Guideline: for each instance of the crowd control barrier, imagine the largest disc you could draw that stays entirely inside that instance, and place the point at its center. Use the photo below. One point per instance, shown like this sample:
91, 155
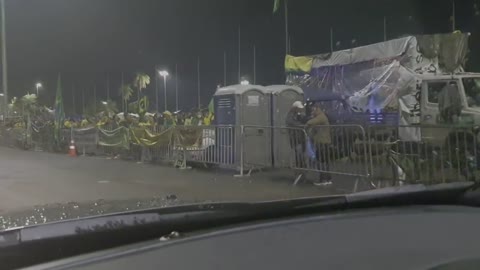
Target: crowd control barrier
378, 155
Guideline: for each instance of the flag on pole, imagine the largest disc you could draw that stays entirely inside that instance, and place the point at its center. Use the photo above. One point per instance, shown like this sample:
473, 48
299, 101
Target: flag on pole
59, 112
276, 5
210, 107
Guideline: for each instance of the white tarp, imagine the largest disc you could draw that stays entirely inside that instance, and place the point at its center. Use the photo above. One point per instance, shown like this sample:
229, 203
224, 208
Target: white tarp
374, 77
384, 50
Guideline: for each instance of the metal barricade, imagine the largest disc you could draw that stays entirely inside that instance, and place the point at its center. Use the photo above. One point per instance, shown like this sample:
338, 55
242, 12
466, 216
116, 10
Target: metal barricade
422, 154
161, 152
256, 147
86, 140
289, 145
336, 150
325, 150
207, 145
13, 137
40, 141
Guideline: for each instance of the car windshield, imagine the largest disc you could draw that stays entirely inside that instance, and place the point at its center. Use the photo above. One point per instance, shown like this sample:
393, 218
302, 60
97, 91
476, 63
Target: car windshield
117, 105
472, 91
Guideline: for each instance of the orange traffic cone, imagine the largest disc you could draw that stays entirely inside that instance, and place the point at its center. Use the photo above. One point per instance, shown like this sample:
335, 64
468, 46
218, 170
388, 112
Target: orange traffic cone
72, 150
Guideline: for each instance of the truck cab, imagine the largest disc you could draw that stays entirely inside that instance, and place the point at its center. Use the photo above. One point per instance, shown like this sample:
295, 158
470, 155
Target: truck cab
434, 126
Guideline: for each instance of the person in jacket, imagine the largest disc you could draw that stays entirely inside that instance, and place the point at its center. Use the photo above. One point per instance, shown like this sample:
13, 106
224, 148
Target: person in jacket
319, 131
294, 122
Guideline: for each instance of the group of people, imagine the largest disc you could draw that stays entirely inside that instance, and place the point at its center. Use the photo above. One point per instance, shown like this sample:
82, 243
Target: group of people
310, 139
165, 119
195, 118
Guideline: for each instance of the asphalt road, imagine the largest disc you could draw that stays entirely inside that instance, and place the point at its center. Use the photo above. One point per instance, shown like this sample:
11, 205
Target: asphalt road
30, 178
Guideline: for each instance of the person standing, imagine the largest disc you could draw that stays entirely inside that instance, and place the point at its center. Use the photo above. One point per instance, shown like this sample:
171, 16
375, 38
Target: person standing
294, 122
319, 131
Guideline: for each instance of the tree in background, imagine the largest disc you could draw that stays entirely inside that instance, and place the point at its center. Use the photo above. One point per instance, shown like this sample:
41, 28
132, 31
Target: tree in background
140, 107
108, 108
27, 105
126, 92
91, 110
140, 82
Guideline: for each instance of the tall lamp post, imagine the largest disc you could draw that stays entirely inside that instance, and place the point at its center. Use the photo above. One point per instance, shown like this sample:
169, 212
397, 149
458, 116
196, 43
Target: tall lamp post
38, 86
164, 74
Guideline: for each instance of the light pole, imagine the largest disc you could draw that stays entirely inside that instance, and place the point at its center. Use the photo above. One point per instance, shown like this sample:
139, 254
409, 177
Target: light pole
176, 87
164, 74
156, 89
38, 86
2, 97
4, 56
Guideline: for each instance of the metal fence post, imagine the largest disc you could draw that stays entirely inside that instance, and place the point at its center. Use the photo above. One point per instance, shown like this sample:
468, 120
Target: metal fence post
242, 141
97, 139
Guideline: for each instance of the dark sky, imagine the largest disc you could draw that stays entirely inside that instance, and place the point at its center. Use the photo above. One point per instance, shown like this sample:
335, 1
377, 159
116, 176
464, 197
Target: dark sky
87, 39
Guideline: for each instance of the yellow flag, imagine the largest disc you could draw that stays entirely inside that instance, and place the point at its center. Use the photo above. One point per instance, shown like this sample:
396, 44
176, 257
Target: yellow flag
298, 64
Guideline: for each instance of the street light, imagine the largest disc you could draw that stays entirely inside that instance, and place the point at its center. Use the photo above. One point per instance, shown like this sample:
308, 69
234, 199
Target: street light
164, 74
38, 85
104, 103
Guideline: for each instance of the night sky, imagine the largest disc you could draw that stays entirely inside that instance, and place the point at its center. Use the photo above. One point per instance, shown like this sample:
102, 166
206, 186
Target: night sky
90, 40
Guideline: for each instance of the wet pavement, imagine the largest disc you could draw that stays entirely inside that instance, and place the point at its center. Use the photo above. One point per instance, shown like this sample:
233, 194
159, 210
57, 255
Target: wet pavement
35, 179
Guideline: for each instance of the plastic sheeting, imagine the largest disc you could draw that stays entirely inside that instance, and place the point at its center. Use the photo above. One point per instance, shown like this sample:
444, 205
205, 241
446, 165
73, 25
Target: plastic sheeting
189, 136
115, 138
384, 50
85, 136
374, 77
144, 137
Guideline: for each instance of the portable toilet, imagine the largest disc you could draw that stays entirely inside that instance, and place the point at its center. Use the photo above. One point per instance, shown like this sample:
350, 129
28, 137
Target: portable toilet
282, 97
247, 105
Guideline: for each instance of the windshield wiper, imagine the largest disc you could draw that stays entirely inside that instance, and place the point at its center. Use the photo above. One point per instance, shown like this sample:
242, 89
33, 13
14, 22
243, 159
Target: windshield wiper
73, 237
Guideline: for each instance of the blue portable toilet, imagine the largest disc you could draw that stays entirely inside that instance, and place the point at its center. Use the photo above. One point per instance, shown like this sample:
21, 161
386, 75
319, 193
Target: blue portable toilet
247, 105
282, 97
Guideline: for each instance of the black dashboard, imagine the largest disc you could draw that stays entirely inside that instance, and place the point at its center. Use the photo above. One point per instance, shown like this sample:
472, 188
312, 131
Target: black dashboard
416, 237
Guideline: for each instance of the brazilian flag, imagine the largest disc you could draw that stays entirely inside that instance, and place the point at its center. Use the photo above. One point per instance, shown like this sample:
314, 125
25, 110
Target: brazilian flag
59, 112
143, 105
